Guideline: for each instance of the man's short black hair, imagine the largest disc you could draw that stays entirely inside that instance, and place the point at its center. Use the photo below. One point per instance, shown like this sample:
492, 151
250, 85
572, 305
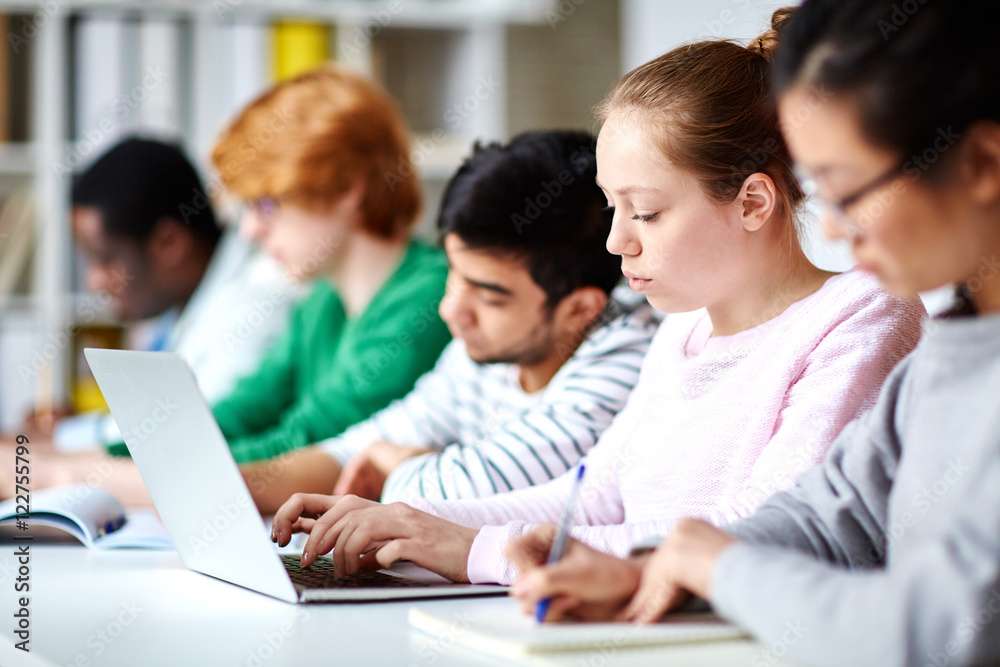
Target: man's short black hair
141, 181
536, 198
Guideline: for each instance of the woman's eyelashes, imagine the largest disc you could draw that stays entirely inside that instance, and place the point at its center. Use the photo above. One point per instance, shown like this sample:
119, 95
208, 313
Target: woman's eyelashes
644, 218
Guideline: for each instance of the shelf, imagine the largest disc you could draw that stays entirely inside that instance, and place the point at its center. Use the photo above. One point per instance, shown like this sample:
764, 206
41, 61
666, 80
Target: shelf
20, 305
401, 13
83, 307
17, 159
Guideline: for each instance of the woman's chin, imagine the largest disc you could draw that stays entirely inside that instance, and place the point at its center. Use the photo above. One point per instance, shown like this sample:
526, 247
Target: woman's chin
665, 304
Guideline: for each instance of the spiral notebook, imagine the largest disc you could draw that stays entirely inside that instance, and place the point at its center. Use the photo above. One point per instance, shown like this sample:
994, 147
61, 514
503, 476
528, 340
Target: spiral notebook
498, 627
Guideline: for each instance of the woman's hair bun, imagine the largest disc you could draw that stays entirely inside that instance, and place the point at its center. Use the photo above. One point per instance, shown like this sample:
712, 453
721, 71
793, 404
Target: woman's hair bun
768, 42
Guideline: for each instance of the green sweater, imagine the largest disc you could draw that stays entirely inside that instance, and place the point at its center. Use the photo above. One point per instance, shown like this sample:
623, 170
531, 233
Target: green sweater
330, 371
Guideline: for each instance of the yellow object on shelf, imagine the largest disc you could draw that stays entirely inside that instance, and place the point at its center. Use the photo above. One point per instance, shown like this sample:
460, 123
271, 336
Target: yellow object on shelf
84, 392
299, 46
87, 396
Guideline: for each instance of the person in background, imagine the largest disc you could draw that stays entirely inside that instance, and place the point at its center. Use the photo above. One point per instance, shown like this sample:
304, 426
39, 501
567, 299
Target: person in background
761, 361
154, 248
542, 359
888, 553
322, 163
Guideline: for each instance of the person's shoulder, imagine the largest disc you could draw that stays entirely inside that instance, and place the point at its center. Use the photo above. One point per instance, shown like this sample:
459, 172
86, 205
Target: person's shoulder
420, 277
853, 287
623, 327
424, 258
319, 294
321, 303
853, 310
859, 294
406, 307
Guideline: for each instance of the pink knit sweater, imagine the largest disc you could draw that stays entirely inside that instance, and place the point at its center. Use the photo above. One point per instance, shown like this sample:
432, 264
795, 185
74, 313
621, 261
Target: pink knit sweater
715, 425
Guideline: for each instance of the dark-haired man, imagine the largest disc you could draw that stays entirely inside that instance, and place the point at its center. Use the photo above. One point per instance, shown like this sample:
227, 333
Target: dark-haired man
542, 359
154, 249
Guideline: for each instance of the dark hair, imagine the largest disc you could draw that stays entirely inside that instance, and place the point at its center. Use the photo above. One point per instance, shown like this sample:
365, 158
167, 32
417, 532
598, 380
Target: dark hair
914, 68
141, 181
709, 108
536, 198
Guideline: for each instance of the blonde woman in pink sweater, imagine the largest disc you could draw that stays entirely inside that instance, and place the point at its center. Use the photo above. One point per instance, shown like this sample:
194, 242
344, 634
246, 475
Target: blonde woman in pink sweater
764, 359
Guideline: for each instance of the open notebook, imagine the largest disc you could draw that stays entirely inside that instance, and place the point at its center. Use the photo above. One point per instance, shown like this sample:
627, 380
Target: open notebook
497, 627
89, 514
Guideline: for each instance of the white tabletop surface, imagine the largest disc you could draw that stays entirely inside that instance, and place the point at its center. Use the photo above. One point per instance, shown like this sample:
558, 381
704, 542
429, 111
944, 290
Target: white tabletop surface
143, 608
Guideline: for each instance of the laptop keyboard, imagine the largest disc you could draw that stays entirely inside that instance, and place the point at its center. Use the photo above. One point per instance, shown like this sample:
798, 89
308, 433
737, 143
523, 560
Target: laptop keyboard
321, 575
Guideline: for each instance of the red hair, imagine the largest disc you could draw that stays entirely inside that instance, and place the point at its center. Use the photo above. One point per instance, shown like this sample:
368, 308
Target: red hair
310, 138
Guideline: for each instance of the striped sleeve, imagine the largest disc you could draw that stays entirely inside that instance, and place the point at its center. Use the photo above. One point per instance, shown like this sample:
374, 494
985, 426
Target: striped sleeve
538, 445
423, 418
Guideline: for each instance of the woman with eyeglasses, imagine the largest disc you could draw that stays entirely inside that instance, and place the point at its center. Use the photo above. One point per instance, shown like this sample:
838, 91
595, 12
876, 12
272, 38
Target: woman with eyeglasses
889, 552
323, 164
762, 361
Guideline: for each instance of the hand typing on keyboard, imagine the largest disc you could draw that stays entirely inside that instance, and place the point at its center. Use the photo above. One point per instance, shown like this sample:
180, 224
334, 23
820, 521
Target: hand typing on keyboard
366, 535
321, 574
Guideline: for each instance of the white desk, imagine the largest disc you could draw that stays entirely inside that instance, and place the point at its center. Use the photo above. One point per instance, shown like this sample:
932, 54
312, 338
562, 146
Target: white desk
144, 609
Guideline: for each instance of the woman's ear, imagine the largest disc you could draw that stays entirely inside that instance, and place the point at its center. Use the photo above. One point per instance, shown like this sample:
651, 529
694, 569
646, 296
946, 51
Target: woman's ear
980, 155
348, 205
757, 201
355, 194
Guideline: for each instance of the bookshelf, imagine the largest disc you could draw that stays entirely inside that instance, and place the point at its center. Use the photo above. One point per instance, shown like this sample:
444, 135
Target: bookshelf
16, 159
461, 69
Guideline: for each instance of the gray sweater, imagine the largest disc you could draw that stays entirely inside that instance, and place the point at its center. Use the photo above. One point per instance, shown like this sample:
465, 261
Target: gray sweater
888, 553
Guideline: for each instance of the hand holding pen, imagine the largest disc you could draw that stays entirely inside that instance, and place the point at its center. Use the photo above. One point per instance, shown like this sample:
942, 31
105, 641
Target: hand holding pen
559, 544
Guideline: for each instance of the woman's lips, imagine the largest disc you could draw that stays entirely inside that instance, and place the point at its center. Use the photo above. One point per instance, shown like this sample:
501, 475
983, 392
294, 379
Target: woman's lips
635, 282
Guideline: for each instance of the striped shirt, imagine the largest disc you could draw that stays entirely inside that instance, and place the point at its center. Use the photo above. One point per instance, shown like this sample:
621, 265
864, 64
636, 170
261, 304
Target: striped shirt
489, 435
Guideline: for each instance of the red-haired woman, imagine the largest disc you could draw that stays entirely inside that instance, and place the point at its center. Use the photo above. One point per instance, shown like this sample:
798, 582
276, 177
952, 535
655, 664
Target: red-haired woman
323, 163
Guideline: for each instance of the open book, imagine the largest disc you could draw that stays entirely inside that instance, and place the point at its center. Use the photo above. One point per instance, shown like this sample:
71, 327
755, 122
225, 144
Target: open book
91, 515
499, 628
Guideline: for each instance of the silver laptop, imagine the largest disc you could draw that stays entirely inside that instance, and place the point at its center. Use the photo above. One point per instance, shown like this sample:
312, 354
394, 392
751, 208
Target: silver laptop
203, 501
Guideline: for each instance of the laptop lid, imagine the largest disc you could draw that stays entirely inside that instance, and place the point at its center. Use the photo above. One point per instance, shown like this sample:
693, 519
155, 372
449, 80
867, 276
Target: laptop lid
188, 469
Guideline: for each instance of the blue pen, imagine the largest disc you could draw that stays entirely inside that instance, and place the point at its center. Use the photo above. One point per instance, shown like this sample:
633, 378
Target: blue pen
559, 544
